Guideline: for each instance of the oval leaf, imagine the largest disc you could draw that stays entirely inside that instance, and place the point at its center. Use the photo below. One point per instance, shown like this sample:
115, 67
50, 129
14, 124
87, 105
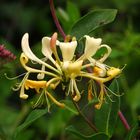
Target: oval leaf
97, 136
91, 21
33, 116
70, 106
106, 117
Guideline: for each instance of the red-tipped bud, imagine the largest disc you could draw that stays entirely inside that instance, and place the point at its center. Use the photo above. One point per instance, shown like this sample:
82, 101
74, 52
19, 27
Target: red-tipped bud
53, 41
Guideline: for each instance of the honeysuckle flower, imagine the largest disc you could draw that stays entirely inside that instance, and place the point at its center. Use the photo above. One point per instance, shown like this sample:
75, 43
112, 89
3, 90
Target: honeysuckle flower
91, 46
66, 68
68, 50
46, 49
27, 51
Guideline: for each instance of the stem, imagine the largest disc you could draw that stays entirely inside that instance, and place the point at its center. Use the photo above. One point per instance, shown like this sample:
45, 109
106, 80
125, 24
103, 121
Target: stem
85, 118
56, 20
124, 121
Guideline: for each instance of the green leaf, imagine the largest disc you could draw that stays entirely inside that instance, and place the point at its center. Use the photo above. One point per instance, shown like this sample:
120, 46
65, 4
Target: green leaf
73, 11
133, 96
133, 132
28, 133
57, 122
97, 136
70, 106
106, 117
69, 16
91, 21
33, 116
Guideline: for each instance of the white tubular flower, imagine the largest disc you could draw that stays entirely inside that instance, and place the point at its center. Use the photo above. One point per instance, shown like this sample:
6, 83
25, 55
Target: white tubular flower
26, 48
91, 46
68, 49
46, 49
27, 51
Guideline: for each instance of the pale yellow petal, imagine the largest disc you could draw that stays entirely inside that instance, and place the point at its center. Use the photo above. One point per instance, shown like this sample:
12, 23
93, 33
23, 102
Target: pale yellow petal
46, 50
27, 51
68, 50
91, 46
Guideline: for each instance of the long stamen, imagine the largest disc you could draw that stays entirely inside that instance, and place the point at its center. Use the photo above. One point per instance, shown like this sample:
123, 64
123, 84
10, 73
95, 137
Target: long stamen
101, 97
55, 101
13, 78
18, 86
113, 92
38, 101
24, 60
106, 54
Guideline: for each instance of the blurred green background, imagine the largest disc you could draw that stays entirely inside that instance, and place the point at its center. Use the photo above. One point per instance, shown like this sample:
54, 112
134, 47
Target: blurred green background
34, 17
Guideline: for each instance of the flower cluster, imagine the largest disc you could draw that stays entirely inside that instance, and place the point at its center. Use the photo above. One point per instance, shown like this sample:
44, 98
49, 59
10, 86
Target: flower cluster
65, 67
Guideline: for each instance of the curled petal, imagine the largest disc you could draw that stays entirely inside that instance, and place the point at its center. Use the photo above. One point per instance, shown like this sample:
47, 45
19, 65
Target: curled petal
46, 50
68, 49
41, 75
26, 49
106, 54
23, 59
22, 94
91, 46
